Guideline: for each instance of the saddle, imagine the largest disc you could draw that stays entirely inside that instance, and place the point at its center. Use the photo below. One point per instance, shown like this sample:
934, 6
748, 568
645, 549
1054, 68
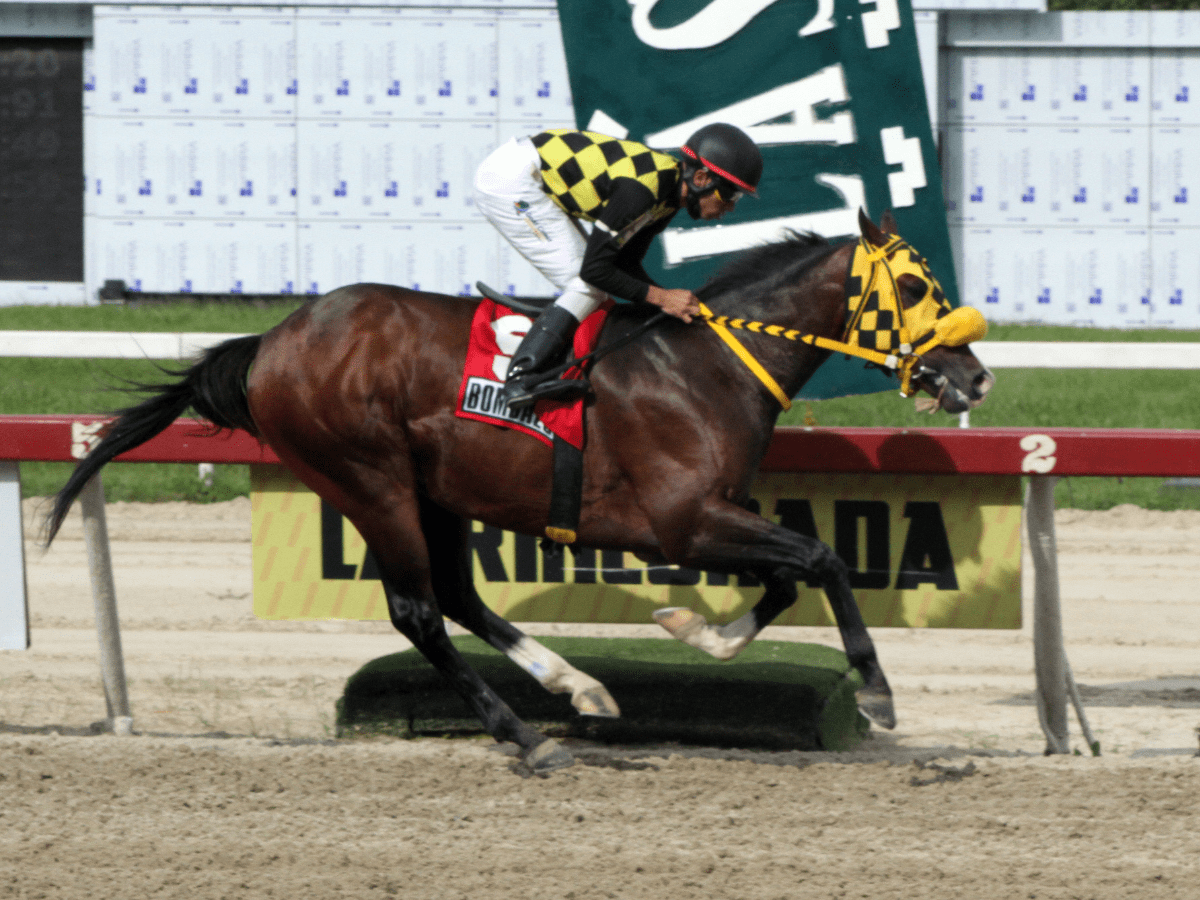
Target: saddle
558, 422
550, 383
531, 306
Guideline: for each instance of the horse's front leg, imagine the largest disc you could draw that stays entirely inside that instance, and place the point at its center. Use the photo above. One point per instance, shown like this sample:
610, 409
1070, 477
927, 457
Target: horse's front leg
730, 539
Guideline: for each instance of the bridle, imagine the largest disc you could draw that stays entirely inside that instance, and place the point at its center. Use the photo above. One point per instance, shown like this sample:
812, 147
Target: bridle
875, 314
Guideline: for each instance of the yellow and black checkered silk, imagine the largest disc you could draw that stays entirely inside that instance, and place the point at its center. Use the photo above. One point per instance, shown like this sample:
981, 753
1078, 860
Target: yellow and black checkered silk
578, 168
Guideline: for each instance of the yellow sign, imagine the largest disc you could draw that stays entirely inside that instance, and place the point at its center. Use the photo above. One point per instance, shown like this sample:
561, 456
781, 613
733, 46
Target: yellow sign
924, 551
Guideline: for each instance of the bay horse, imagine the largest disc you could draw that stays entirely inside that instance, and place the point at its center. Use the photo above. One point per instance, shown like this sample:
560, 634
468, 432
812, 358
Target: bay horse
356, 390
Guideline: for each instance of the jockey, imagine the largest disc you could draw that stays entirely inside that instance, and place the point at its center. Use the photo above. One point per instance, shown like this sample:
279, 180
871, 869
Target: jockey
539, 190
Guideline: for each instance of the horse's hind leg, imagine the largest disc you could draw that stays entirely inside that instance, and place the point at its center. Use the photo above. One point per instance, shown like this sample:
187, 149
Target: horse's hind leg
726, 641
420, 622
453, 583
389, 521
729, 538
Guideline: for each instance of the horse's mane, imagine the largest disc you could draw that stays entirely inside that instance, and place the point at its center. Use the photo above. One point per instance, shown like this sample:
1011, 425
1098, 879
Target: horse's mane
770, 264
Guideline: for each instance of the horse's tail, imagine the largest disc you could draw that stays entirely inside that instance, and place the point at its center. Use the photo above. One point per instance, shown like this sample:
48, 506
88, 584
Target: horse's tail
215, 387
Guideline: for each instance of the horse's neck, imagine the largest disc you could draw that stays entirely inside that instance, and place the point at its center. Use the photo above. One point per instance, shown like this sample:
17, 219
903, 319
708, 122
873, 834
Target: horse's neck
810, 306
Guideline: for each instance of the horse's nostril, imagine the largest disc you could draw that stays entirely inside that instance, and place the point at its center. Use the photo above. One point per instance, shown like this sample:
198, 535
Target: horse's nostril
983, 383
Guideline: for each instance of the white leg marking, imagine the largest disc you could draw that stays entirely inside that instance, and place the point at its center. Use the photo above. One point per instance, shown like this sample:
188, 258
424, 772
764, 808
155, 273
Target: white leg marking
558, 676
723, 641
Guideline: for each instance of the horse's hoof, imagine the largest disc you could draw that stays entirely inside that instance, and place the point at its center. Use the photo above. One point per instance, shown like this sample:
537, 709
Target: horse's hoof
548, 756
596, 701
876, 704
681, 622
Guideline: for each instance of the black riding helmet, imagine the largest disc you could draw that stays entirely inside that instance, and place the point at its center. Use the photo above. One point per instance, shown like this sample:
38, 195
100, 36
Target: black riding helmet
729, 154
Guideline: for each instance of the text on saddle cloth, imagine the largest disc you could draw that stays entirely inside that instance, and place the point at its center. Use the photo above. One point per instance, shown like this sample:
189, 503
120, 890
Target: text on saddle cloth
496, 332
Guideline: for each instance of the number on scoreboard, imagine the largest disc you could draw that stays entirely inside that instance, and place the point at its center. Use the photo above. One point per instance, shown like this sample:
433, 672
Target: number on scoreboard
41, 159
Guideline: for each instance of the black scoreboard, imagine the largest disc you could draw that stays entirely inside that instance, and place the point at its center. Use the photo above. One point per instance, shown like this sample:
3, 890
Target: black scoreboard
41, 159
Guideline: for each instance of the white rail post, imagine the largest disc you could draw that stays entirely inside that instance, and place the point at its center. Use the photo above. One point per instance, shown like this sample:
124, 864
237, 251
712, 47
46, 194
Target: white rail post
14, 603
108, 626
1049, 655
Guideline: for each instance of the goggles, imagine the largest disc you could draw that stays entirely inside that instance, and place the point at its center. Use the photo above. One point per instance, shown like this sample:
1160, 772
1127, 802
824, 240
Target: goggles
728, 192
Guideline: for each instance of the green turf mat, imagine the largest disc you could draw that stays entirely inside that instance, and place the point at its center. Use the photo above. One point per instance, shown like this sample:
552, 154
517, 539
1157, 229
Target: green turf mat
775, 695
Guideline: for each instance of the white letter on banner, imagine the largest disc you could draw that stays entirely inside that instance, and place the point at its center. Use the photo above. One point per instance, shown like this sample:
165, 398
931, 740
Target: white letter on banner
717, 22
682, 245
878, 22
822, 21
603, 123
906, 152
795, 100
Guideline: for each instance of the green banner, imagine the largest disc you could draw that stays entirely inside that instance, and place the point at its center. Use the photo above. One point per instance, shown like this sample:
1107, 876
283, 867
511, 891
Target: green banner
831, 90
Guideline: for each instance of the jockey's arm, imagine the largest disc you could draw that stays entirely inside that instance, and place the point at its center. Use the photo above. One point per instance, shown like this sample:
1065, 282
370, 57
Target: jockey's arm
617, 246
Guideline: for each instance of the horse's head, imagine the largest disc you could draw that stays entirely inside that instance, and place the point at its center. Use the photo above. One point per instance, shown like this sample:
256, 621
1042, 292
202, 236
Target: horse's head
897, 306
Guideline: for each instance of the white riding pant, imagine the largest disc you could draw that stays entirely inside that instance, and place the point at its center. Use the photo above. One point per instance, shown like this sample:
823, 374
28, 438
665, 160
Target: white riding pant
508, 191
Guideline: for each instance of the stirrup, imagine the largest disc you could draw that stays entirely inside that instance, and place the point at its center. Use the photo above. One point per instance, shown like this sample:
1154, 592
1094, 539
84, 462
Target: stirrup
526, 390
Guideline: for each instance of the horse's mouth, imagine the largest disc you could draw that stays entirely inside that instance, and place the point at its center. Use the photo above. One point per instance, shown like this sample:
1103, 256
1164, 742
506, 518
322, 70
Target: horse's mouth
950, 398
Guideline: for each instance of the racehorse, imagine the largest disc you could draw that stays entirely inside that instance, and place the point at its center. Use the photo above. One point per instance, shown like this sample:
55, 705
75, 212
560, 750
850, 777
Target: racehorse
356, 390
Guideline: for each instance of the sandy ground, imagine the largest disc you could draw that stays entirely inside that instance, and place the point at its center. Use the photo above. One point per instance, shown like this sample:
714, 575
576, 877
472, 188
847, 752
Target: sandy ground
233, 786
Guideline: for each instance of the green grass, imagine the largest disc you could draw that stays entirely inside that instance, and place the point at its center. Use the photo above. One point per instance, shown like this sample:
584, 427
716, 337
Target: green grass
39, 386
1035, 398
71, 386
1023, 398
233, 317
1069, 333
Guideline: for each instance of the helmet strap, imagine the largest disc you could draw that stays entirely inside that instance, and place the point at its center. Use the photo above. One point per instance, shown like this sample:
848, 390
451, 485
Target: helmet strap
696, 194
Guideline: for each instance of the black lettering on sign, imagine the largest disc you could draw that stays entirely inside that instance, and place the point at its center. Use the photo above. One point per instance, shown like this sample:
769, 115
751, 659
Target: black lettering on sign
333, 560
370, 568
846, 514
552, 566
926, 558
333, 563
613, 563
926, 542
585, 560
486, 546
526, 568
681, 576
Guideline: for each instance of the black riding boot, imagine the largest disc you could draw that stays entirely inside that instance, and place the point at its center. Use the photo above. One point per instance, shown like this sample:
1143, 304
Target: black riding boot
541, 347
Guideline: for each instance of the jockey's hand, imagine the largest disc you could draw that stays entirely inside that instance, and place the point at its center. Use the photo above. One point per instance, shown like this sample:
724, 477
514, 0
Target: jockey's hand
678, 302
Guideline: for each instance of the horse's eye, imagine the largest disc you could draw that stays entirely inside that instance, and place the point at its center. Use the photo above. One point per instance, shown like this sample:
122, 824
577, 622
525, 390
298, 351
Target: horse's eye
912, 289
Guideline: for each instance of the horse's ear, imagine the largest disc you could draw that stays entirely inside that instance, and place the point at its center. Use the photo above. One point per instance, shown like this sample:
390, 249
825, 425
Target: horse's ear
870, 232
888, 224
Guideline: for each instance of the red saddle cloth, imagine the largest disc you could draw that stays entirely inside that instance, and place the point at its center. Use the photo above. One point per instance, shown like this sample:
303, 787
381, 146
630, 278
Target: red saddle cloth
495, 333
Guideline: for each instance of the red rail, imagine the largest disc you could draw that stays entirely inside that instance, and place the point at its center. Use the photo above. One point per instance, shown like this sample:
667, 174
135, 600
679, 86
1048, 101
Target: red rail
987, 451
932, 451
67, 438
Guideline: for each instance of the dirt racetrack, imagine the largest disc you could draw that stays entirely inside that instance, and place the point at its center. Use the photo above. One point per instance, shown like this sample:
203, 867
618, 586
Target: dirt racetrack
233, 786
